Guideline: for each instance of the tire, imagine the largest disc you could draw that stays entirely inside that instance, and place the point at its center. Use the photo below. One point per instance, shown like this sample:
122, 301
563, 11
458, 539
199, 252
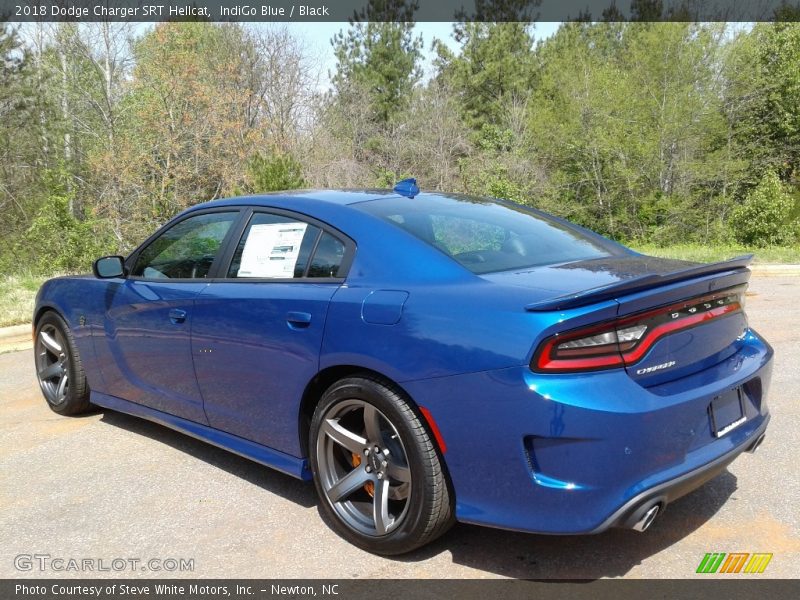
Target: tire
376, 470
58, 367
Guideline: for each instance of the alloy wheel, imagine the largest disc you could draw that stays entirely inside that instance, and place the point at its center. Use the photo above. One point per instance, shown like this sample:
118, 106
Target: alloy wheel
363, 467
52, 364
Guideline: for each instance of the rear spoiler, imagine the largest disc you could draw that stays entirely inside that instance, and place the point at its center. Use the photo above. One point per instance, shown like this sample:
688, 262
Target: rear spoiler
637, 284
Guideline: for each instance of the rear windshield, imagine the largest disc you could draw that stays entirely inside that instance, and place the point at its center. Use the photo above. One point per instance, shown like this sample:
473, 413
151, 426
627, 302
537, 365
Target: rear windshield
488, 235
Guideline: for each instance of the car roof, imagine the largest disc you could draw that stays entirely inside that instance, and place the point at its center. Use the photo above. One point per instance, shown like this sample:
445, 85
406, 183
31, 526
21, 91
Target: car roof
335, 208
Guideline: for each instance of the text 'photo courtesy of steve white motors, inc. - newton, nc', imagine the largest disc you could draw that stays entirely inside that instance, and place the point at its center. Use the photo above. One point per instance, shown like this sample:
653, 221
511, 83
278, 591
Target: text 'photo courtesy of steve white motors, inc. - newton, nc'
156, 11
160, 590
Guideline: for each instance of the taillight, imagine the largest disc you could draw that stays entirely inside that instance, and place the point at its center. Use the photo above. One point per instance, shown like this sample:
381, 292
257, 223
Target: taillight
626, 340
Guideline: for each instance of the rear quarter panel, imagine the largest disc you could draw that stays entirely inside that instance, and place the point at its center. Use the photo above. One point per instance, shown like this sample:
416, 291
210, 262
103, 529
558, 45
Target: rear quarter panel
452, 321
444, 329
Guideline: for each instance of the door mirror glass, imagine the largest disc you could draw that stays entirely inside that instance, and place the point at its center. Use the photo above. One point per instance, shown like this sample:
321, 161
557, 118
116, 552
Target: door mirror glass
109, 267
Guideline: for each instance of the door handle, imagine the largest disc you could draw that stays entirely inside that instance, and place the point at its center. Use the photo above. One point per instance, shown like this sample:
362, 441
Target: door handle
298, 320
176, 315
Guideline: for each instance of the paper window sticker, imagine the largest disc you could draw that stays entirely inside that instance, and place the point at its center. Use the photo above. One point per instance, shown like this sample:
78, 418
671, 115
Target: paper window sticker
271, 250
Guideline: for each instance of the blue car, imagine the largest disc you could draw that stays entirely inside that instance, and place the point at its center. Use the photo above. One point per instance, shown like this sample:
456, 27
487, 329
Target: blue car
424, 358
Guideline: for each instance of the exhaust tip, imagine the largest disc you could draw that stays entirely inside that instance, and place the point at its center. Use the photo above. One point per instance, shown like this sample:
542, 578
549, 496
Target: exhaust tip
757, 443
647, 518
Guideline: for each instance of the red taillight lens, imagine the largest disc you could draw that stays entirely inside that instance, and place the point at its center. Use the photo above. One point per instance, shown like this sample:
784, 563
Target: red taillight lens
625, 341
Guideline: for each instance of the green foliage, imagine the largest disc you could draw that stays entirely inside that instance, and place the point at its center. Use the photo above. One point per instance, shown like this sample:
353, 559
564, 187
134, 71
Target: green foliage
780, 57
59, 242
386, 178
766, 217
494, 181
380, 53
496, 63
13, 62
273, 173
19, 179
629, 119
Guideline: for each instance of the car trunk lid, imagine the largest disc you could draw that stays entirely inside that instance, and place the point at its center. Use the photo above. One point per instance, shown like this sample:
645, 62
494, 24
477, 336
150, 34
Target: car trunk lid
688, 316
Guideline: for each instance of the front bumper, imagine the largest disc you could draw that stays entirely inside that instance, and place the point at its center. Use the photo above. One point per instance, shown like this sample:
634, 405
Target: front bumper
579, 453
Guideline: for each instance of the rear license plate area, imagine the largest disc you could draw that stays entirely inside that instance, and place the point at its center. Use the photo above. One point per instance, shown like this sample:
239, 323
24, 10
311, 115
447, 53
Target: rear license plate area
726, 412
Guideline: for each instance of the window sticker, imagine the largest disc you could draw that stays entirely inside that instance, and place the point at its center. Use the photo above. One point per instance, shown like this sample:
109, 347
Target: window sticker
271, 250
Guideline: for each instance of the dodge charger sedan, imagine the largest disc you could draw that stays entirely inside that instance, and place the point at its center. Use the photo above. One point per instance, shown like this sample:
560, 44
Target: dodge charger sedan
424, 358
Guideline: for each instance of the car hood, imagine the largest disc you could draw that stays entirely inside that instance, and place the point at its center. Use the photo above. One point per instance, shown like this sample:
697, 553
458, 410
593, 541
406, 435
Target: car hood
568, 278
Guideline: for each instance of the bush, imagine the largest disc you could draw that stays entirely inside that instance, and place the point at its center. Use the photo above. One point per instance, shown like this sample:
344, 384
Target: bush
765, 218
274, 173
59, 242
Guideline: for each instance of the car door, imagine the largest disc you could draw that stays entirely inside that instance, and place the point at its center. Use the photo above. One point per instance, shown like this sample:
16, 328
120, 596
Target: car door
256, 335
148, 315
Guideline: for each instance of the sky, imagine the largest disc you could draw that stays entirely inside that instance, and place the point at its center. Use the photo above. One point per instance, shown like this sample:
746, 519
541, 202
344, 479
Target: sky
318, 36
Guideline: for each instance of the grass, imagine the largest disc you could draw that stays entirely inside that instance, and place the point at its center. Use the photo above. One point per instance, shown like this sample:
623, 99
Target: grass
697, 253
17, 294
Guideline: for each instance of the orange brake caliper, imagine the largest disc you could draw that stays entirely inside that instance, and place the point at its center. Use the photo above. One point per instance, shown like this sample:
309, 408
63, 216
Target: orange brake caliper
369, 487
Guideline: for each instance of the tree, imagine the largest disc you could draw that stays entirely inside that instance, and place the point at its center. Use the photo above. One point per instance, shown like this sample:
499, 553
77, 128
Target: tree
628, 120
771, 53
380, 54
496, 64
59, 242
19, 186
274, 173
766, 216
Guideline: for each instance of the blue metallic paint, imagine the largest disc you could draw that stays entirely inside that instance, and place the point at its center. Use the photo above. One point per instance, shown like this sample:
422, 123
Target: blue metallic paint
147, 350
584, 443
244, 350
553, 453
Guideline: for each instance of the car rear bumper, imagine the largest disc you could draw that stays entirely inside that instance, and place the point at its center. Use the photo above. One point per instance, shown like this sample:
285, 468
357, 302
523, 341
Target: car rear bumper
634, 510
578, 454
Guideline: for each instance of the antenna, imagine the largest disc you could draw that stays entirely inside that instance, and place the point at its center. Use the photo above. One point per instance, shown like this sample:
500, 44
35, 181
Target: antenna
407, 187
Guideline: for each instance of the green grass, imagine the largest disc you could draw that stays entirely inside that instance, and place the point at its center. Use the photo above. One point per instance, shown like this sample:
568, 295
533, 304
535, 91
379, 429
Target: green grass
17, 294
698, 253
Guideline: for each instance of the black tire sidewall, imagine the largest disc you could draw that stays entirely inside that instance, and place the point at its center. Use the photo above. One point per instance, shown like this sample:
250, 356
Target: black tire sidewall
406, 537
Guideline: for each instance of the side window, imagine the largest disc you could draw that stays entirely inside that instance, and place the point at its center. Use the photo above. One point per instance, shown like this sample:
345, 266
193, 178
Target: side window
186, 250
327, 257
274, 247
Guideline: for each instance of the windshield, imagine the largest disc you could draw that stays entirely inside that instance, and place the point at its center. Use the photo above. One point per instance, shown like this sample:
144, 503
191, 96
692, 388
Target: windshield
489, 235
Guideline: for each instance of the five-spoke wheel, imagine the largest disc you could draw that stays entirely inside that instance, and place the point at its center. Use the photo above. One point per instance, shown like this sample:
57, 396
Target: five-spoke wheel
52, 364
376, 469
363, 467
58, 367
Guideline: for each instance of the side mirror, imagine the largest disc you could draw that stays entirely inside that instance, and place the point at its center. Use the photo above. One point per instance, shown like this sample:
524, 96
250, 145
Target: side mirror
109, 267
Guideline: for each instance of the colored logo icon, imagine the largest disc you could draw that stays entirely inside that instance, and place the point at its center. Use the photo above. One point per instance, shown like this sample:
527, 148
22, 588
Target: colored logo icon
734, 562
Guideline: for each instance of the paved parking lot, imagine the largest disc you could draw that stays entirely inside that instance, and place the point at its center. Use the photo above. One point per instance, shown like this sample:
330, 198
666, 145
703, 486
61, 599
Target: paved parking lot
107, 486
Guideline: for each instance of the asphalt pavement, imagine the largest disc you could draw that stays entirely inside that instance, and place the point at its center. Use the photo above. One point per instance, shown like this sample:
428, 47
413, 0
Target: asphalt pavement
106, 487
